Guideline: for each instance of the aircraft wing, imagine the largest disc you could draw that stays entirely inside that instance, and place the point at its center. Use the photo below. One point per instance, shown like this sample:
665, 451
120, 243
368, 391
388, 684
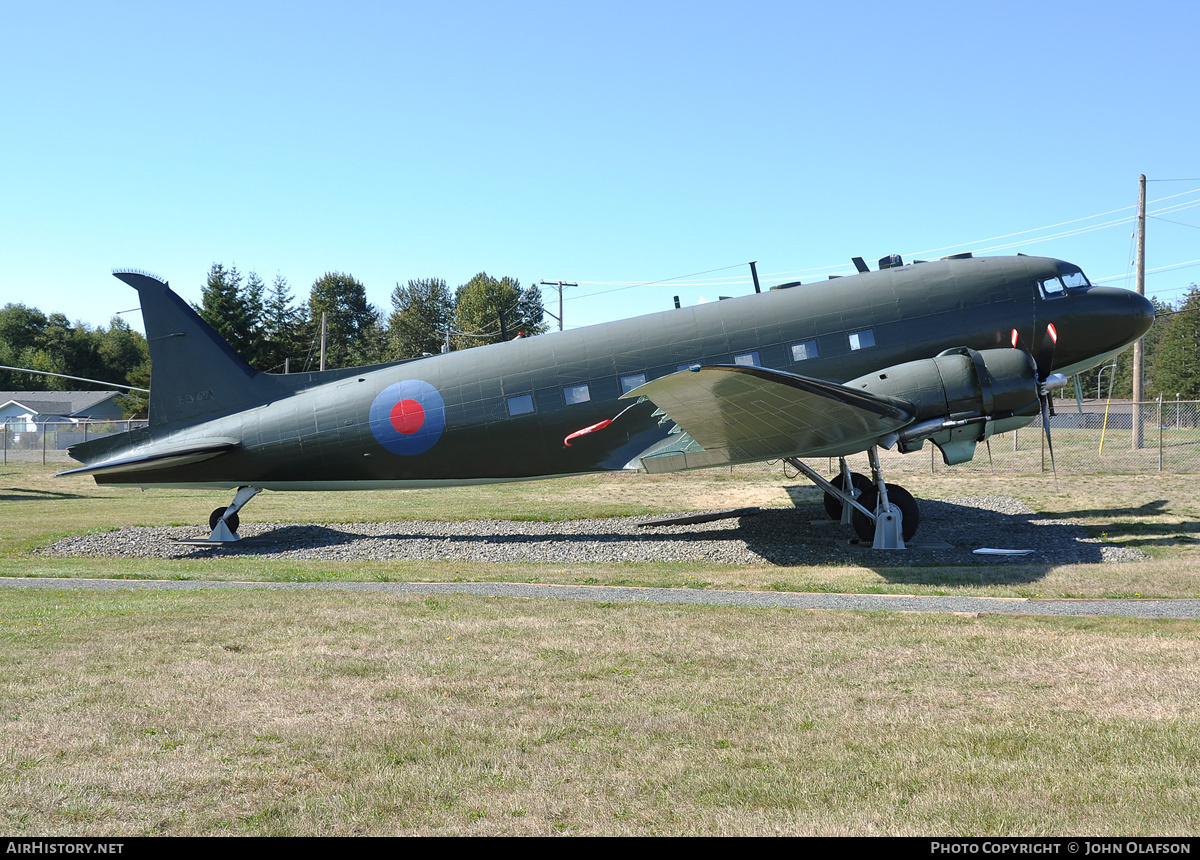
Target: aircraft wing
741, 414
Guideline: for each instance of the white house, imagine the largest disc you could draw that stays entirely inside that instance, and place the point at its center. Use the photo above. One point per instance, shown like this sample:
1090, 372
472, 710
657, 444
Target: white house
22, 411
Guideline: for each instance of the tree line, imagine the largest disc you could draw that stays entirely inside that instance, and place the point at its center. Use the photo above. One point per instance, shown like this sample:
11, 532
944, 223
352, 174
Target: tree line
32, 339
272, 332
268, 329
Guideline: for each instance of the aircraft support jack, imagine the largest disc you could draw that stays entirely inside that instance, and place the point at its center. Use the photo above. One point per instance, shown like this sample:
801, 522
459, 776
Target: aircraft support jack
222, 530
889, 522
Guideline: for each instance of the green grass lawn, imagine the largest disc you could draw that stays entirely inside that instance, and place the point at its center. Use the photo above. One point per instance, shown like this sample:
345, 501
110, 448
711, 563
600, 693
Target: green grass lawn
296, 713
331, 713
1159, 514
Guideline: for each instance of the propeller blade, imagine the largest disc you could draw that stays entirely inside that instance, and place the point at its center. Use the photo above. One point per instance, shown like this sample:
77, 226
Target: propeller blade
1045, 359
1042, 366
1046, 427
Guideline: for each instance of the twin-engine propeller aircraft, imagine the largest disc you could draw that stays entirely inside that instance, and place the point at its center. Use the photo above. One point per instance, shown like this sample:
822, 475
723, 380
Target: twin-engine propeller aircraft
931, 351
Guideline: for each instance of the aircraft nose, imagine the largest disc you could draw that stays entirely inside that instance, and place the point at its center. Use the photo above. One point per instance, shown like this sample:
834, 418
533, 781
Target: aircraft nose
1143, 312
1121, 316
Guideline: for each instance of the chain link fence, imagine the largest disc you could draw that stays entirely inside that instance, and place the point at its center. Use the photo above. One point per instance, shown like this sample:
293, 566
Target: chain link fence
48, 441
1120, 436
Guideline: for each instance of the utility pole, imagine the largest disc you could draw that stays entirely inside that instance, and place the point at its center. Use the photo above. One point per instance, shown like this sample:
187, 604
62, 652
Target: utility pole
322, 340
560, 285
1138, 373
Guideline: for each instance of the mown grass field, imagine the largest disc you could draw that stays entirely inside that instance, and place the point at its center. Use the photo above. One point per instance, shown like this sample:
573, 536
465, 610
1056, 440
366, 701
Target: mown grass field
1159, 514
306, 713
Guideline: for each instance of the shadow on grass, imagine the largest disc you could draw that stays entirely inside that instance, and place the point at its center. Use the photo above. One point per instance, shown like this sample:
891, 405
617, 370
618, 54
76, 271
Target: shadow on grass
1156, 530
1156, 508
23, 494
802, 536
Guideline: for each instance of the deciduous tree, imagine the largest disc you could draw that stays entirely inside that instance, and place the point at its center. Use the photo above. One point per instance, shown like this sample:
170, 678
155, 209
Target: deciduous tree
478, 304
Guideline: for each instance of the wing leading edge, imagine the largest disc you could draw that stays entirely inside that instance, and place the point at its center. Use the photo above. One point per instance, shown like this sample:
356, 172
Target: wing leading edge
740, 414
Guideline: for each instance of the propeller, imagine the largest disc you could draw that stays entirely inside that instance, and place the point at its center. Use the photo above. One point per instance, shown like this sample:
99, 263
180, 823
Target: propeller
1048, 381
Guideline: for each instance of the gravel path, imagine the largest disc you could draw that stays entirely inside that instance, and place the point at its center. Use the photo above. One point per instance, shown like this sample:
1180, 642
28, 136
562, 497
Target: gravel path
618, 594
950, 530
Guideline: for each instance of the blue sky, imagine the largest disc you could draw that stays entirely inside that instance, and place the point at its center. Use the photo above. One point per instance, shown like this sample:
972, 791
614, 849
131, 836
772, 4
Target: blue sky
610, 144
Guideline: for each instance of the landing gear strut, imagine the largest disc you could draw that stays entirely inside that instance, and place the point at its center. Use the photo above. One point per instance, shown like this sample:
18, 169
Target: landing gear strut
224, 521
856, 482
885, 514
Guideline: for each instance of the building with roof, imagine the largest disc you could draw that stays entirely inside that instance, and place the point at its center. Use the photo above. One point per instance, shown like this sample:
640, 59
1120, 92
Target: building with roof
22, 411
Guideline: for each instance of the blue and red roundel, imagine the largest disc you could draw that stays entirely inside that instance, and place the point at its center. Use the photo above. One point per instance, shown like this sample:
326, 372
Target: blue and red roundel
408, 417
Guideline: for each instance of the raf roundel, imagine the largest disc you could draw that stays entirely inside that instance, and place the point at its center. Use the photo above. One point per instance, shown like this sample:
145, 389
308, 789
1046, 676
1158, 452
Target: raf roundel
408, 417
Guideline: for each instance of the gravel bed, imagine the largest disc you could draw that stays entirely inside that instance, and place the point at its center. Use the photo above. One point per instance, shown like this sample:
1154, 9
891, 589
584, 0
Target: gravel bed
950, 530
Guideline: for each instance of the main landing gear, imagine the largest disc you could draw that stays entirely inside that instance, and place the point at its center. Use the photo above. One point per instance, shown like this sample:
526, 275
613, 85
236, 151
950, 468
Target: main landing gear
884, 514
224, 521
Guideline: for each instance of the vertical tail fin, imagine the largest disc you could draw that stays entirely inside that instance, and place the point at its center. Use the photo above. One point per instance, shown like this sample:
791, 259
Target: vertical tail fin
194, 373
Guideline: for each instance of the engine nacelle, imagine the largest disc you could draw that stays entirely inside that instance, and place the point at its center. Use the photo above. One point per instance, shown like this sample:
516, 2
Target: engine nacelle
962, 396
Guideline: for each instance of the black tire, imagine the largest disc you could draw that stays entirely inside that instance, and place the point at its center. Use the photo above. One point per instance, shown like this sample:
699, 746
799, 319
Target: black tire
909, 509
864, 526
901, 498
215, 517
833, 505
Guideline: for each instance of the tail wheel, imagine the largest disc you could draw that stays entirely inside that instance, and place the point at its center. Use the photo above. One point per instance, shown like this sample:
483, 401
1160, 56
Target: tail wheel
901, 498
833, 505
232, 522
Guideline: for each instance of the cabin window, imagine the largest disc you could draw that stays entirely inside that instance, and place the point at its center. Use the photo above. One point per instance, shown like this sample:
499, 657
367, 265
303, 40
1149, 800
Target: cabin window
520, 405
862, 339
577, 394
632, 381
1075, 280
804, 351
1052, 288
748, 359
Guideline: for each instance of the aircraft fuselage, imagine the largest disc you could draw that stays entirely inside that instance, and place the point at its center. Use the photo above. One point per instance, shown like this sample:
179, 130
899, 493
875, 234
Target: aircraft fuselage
502, 412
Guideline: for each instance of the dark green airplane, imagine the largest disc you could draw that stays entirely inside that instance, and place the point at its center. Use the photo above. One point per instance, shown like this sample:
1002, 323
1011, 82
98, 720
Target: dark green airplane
951, 351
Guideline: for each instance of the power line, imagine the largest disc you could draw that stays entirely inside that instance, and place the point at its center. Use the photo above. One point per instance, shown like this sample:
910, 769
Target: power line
1180, 223
1180, 206
77, 378
660, 281
560, 284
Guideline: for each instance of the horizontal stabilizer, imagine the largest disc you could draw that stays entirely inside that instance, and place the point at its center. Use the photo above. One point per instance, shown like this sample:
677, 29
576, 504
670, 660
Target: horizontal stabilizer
158, 456
741, 414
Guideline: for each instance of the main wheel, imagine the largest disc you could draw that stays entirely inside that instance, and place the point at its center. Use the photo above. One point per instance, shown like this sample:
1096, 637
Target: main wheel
833, 505
901, 498
215, 517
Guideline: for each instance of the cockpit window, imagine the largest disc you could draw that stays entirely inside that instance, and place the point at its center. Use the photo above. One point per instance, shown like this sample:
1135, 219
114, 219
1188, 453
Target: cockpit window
1052, 288
1070, 279
1075, 279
